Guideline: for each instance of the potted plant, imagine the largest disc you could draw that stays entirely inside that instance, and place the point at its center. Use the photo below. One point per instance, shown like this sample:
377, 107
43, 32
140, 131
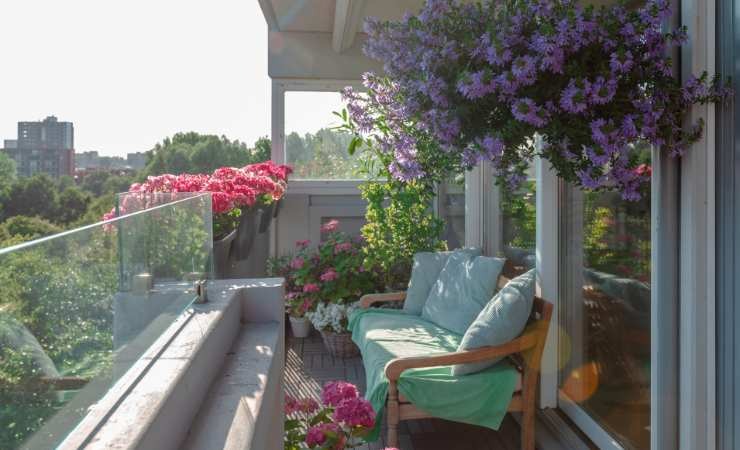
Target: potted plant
243, 202
331, 320
331, 273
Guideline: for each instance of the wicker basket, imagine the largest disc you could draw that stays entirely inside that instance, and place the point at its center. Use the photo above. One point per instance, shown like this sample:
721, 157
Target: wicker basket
340, 344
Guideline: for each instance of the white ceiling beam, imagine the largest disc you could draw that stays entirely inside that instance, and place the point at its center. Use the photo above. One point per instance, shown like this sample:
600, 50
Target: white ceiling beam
347, 18
270, 17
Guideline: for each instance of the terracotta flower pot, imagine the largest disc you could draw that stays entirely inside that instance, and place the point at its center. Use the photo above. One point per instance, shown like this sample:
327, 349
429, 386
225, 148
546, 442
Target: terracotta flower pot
300, 326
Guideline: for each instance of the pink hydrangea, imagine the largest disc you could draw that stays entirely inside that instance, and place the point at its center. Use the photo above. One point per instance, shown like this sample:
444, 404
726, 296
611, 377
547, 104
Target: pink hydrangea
343, 247
330, 226
336, 391
355, 412
310, 288
302, 244
317, 434
297, 263
329, 275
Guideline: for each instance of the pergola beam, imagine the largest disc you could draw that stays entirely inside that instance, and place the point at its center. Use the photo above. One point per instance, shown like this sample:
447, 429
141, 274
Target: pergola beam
347, 17
270, 17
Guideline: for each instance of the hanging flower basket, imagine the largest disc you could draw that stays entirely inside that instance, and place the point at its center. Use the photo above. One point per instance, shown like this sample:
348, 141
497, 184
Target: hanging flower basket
477, 82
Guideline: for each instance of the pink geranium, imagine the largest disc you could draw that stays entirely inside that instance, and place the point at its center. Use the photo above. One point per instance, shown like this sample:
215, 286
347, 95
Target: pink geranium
297, 263
318, 434
302, 244
329, 275
343, 247
330, 226
311, 288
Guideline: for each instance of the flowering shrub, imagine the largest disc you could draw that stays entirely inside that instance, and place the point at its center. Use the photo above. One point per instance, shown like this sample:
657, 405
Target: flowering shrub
482, 79
332, 272
339, 423
232, 189
331, 316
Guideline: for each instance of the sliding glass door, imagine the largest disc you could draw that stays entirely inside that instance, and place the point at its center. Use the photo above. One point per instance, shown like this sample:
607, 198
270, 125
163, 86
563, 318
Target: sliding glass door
604, 344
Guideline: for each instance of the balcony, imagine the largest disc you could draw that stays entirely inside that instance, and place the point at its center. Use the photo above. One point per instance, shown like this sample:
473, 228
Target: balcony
137, 333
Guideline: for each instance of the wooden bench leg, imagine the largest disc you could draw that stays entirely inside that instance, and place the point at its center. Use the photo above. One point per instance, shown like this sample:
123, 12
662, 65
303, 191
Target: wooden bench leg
393, 415
528, 411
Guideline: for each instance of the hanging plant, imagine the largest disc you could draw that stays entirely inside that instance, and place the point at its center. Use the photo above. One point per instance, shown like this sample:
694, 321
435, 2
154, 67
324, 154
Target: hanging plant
481, 80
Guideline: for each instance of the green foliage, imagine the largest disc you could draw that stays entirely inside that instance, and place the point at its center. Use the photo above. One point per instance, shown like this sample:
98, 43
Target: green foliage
27, 228
73, 204
519, 213
197, 153
7, 170
399, 224
34, 196
322, 155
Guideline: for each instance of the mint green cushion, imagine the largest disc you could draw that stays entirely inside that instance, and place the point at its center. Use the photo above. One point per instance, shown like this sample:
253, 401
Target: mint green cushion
464, 287
502, 320
424, 273
384, 334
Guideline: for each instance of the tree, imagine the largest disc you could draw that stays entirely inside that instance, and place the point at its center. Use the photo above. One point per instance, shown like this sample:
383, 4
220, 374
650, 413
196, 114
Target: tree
34, 196
94, 181
116, 184
7, 170
27, 228
73, 203
199, 153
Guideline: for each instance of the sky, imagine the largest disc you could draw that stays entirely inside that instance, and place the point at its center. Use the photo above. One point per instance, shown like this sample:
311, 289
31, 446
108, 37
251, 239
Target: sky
129, 73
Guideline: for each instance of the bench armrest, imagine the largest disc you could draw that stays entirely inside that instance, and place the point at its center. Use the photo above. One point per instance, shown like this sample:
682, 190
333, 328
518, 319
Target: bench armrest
368, 300
397, 366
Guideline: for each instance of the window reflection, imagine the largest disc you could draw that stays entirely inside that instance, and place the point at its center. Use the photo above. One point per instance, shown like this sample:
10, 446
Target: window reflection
518, 226
605, 347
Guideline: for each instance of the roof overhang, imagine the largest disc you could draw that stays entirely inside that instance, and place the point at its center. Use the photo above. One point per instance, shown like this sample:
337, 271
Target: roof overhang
322, 39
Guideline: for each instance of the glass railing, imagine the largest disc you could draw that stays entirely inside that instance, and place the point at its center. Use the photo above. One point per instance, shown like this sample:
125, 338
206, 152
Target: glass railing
78, 310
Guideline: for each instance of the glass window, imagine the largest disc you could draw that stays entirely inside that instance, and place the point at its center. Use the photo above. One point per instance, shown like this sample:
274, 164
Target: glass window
313, 147
605, 312
451, 209
518, 219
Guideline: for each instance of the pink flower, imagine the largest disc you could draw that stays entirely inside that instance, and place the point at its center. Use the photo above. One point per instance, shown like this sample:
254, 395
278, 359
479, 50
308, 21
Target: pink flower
303, 244
330, 226
308, 405
291, 405
297, 263
336, 391
342, 247
311, 287
329, 275
317, 434
355, 412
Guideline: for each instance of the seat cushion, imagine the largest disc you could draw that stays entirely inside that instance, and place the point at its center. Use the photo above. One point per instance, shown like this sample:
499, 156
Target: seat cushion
502, 320
424, 273
383, 334
465, 285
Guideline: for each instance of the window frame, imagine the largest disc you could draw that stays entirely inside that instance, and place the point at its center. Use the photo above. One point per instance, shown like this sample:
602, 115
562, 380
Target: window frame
279, 88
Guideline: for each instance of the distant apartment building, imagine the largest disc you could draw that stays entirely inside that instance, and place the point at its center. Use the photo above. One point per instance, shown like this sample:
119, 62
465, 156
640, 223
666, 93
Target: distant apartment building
43, 147
92, 160
136, 161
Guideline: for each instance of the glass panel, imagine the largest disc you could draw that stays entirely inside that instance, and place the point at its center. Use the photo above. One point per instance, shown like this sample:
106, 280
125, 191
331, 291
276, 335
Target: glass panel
518, 220
312, 147
605, 348
80, 308
451, 201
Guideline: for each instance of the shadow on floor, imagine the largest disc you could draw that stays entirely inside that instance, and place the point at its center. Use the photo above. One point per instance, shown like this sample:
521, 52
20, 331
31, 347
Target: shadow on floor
309, 366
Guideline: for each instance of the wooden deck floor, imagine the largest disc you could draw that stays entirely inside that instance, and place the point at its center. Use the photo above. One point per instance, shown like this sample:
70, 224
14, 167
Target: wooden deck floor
309, 366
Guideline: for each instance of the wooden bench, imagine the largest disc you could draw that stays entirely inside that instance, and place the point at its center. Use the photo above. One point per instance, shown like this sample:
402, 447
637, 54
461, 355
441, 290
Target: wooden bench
525, 352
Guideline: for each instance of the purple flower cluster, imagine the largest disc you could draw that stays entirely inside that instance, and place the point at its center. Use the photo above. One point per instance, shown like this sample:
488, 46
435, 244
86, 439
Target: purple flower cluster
592, 82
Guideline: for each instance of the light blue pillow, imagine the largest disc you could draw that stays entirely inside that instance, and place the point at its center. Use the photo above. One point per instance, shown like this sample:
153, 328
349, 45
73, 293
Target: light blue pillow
464, 287
501, 321
424, 273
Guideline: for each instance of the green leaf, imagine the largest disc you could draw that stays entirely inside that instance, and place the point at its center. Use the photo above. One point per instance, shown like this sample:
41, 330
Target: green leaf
353, 145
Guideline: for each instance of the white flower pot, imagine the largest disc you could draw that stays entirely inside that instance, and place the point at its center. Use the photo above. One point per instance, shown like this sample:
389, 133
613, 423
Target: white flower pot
300, 326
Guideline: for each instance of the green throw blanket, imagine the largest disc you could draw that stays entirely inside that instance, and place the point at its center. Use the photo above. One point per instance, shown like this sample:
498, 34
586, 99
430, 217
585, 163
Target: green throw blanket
383, 334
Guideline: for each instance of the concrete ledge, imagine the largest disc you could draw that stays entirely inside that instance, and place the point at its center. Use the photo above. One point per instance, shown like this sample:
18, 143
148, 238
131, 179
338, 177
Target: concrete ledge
163, 404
